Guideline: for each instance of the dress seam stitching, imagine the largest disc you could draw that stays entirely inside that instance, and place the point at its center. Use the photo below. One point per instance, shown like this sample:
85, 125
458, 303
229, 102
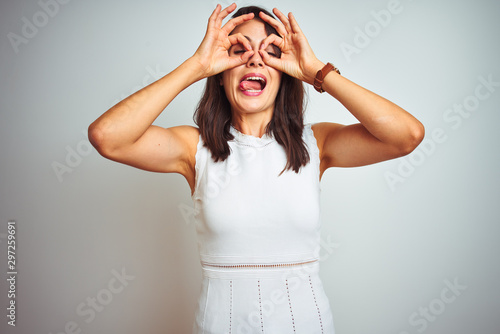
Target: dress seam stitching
290, 304
316, 303
260, 308
230, 305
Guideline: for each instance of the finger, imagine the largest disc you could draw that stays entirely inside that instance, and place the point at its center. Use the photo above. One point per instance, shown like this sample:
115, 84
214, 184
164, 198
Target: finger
224, 13
280, 28
294, 24
271, 61
272, 39
212, 19
245, 57
283, 19
231, 24
240, 39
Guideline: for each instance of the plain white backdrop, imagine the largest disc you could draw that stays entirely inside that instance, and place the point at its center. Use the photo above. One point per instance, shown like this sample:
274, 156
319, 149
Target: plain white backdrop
408, 246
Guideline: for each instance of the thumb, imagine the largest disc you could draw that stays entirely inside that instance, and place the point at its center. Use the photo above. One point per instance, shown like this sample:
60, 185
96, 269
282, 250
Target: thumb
243, 59
274, 62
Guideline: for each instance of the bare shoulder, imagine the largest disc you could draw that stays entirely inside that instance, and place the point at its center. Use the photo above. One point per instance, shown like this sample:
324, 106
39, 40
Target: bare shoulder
187, 133
188, 130
323, 130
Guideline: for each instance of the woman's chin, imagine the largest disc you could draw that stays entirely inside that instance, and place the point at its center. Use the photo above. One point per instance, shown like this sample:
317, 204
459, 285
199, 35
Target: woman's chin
253, 108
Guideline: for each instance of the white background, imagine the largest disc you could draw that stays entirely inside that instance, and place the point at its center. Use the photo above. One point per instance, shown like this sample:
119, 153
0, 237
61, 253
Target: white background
393, 233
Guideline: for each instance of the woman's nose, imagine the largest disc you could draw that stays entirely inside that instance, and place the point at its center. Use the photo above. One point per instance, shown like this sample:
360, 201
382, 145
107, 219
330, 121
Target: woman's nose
255, 60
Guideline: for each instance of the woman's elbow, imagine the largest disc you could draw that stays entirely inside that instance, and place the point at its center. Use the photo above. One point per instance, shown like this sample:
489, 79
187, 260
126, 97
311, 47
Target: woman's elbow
97, 138
415, 135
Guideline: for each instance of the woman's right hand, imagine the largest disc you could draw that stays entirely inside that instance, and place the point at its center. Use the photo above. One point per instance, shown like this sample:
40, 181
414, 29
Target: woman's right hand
212, 54
125, 133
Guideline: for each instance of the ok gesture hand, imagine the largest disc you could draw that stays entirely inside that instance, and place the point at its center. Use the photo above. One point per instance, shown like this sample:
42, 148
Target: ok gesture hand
212, 54
297, 58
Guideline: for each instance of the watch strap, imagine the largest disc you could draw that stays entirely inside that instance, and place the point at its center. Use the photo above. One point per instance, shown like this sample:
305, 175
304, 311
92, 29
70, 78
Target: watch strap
320, 76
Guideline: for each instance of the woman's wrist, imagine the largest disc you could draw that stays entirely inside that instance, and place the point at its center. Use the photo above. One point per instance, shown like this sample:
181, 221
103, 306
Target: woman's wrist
195, 68
312, 70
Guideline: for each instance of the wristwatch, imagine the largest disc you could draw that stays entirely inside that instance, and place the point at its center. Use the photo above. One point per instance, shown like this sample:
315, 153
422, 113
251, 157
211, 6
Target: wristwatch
320, 76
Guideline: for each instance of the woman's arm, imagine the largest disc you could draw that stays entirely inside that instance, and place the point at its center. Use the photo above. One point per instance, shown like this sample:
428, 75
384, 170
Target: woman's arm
385, 131
125, 132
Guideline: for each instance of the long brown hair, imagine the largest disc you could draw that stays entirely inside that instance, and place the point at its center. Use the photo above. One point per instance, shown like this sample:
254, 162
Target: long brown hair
213, 113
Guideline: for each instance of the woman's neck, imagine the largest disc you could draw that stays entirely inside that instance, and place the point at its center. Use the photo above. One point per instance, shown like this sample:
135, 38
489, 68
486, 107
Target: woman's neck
253, 124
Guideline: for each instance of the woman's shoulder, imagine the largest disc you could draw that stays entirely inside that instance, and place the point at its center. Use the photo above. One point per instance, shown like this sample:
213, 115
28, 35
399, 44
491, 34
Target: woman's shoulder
187, 129
187, 133
322, 129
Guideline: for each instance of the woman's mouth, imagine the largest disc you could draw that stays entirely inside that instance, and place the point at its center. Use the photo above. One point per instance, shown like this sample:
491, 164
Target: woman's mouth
253, 84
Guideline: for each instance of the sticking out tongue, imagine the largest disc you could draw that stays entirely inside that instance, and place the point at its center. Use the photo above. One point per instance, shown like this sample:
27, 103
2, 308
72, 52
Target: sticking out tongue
250, 85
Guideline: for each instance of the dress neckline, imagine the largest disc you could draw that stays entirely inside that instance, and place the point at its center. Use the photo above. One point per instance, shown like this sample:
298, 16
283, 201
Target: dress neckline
249, 140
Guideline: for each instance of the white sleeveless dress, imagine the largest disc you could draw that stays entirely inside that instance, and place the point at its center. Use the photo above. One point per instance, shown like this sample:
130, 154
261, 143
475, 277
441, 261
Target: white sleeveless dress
259, 240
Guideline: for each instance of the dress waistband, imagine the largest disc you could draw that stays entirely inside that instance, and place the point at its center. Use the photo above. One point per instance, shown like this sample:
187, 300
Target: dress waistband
264, 270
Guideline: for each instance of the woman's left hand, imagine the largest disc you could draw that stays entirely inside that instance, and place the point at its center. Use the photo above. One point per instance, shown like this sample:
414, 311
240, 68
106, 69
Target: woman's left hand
297, 58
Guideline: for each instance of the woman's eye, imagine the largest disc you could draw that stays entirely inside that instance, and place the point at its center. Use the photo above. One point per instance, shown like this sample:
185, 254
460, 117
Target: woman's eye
238, 51
274, 51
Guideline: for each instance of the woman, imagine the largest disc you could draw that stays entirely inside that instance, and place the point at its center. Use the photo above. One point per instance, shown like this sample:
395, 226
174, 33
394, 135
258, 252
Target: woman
253, 167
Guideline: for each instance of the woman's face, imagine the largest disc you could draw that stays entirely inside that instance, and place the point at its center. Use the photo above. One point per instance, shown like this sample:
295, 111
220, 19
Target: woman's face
251, 87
